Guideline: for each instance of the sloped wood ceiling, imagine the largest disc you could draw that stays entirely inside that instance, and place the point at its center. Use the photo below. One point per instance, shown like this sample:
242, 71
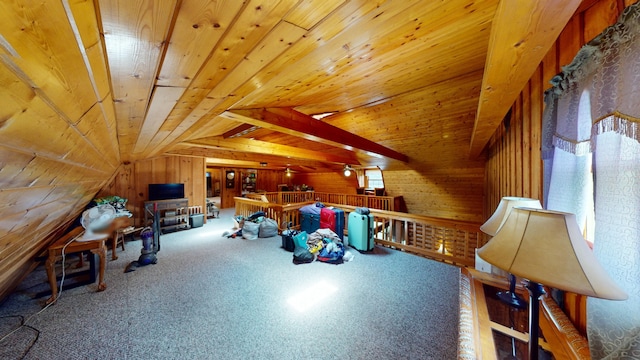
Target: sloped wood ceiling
187, 75
88, 85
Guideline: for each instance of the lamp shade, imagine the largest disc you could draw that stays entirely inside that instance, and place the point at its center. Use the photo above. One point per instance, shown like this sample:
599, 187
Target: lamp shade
495, 222
547, 247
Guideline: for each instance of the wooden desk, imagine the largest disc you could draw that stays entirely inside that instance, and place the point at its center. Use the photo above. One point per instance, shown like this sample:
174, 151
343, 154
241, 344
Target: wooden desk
55, 253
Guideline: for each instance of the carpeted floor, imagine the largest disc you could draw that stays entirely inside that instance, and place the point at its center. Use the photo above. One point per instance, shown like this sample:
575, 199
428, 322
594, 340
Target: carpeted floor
210, 297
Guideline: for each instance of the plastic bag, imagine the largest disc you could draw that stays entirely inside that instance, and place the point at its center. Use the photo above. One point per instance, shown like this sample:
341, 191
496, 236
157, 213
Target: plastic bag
250, 230
268, 228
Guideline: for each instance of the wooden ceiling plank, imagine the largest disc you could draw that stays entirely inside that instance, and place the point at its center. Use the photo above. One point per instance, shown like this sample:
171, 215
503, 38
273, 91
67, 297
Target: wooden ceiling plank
390, 74
29, 117
440, 128
93, 127
261, 147
298, 124
199, 27
309, 13
255, 22
273, 45
521, 35
135, 36
83, 20
55, 67
54, 64
162, 102
329, 28
82, 16
334, 47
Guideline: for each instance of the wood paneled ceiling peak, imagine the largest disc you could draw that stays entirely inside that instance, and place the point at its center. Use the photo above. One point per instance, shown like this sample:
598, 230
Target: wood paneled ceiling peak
262, 147
289, 121
177, 69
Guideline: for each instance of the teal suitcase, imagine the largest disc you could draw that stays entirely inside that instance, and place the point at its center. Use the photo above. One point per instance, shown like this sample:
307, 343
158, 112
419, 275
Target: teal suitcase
360, 228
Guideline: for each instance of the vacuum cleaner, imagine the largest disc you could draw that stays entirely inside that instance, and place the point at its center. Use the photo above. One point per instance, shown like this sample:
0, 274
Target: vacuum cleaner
150, 243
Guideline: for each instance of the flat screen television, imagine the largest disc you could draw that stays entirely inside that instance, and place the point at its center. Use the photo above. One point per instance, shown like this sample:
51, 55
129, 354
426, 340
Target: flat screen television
166, 191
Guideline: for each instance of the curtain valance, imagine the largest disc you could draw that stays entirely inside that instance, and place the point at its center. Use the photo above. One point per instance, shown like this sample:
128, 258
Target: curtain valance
598, 92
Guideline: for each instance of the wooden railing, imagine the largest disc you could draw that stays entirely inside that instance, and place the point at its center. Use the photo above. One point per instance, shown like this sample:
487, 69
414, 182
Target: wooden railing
446, 240
390, 203
246, 207
478, 330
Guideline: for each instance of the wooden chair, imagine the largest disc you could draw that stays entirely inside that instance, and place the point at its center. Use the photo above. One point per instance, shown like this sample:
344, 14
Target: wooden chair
379, 191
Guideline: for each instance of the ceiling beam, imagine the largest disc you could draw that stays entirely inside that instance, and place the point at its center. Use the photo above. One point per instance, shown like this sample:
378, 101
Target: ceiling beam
521, 35
263, 147
254, 159
239, 131
289, 121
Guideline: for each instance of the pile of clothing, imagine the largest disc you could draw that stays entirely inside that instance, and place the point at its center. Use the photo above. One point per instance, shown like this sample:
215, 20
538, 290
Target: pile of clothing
322, 245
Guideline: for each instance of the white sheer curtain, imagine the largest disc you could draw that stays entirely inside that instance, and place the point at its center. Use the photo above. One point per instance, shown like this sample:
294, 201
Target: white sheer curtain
593, 112
614, 327
571, 182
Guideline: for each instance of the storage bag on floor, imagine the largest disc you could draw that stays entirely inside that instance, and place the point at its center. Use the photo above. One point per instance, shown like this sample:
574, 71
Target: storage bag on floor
250, 230
287, 240
268, 228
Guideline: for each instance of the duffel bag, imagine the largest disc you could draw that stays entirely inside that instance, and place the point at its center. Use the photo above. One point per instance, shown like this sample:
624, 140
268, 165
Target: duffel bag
250, 230
268, 228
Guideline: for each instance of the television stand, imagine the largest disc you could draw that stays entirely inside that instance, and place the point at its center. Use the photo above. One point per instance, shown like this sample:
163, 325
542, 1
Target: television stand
174, 214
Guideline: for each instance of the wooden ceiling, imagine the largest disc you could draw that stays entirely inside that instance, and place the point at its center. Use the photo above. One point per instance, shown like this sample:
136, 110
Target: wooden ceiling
407, 82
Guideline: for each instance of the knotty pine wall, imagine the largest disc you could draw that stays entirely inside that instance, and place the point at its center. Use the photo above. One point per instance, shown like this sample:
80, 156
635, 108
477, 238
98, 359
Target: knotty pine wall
454, 193
132, 180
327, 182
451, 193
514, 166
267, 180
58, 143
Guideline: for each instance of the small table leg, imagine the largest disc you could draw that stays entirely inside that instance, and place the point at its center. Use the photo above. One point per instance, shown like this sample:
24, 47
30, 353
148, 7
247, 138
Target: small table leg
51, 275
102, 254
114, 244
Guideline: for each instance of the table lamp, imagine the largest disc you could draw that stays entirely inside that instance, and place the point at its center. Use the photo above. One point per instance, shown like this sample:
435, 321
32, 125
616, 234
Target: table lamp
493, 225
547, 247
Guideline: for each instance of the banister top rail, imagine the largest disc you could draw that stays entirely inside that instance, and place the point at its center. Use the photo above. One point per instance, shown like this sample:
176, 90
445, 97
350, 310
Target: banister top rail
292, 197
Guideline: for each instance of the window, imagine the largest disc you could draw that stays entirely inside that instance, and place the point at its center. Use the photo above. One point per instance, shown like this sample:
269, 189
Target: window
373, 178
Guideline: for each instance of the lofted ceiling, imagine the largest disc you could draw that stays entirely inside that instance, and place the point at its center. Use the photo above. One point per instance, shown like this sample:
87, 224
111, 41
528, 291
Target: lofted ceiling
407, 84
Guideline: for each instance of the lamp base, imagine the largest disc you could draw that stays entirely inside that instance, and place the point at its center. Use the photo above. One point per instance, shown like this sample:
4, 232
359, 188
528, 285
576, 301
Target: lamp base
512, 299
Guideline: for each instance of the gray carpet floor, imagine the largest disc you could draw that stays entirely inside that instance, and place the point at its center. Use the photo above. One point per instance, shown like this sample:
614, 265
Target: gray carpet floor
212, 297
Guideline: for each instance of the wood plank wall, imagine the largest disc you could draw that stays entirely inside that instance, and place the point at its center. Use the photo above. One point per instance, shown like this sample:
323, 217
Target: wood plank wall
58, 142
514, 166
266, 180
132, 180
331, 182
452, 193
455, 193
